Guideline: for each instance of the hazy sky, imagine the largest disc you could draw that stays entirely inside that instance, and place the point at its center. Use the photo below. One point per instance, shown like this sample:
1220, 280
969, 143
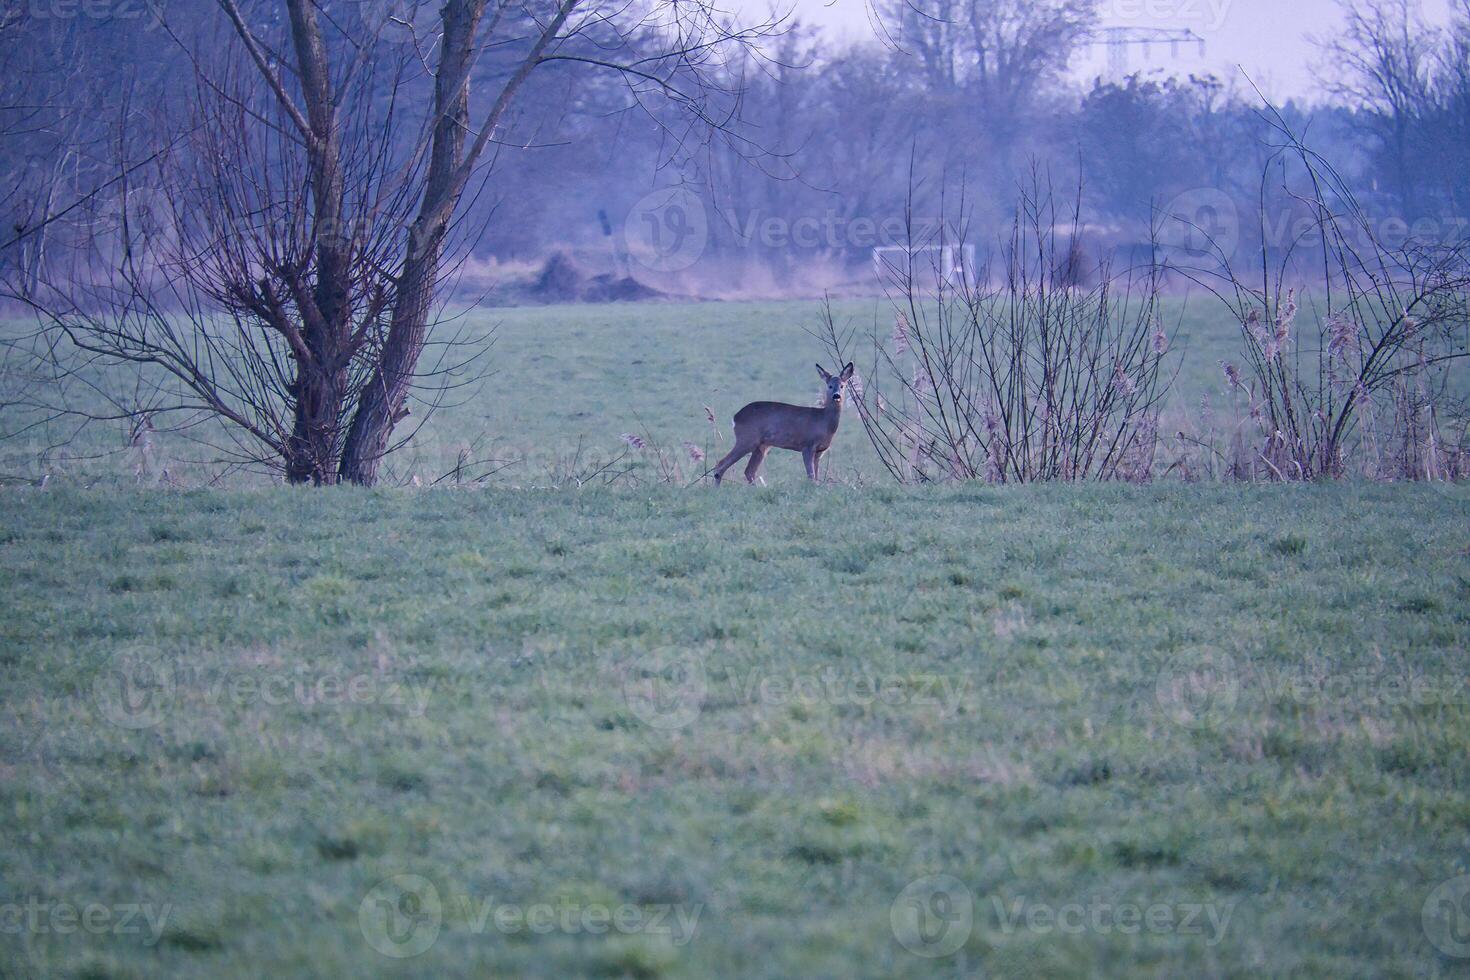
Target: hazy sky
1268, 38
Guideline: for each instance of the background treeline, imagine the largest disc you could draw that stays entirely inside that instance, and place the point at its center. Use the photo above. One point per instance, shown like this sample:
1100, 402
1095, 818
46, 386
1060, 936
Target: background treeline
959, 96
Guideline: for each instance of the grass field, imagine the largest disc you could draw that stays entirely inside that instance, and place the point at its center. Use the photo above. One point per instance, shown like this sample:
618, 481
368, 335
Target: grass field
850, 730
834, 732
568, 381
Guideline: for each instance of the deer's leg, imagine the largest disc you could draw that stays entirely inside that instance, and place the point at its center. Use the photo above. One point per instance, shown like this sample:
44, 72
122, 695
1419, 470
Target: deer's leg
817, 465
753, 468
730, 460
810, 458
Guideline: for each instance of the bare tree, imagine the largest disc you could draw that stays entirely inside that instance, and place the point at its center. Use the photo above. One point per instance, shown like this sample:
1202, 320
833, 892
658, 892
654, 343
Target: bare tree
1000, 53
1381, 64
279, 260
1450, 125
45, 142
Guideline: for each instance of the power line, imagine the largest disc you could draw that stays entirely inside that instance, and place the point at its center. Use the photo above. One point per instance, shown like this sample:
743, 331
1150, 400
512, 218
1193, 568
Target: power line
1121, 40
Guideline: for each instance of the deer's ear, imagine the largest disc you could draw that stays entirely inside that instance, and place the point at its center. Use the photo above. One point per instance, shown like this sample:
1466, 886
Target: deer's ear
823, 372
847, 371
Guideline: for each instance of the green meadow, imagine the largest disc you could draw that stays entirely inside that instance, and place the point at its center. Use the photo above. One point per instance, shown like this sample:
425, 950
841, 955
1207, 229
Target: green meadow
551, 398
648, 730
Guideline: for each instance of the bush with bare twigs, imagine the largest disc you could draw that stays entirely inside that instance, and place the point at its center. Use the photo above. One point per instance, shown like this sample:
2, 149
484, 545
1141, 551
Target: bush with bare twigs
1017, 372
1349, 343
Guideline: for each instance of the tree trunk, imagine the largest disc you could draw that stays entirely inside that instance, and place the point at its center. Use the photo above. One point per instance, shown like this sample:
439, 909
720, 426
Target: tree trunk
311, 450
381, 404
321, 377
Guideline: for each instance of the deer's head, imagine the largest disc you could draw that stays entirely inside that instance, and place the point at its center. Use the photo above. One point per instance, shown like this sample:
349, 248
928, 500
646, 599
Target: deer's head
835, 383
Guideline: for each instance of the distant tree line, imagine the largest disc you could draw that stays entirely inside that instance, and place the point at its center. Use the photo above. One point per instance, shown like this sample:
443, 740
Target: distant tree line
971, 90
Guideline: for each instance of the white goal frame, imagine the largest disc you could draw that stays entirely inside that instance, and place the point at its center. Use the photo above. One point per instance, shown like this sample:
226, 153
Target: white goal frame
929, 265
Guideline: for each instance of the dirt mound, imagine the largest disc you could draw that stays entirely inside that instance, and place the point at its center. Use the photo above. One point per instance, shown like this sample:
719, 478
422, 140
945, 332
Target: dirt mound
561, 280
608, 288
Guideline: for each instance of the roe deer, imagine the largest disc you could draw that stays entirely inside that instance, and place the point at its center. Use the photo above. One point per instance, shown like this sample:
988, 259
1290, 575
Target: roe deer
761, 425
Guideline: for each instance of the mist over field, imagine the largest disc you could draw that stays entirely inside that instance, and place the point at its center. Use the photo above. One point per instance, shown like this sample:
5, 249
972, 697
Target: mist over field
886, 488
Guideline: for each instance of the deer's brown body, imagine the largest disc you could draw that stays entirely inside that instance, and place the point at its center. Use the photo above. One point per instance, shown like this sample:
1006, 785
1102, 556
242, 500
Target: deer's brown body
763, 426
